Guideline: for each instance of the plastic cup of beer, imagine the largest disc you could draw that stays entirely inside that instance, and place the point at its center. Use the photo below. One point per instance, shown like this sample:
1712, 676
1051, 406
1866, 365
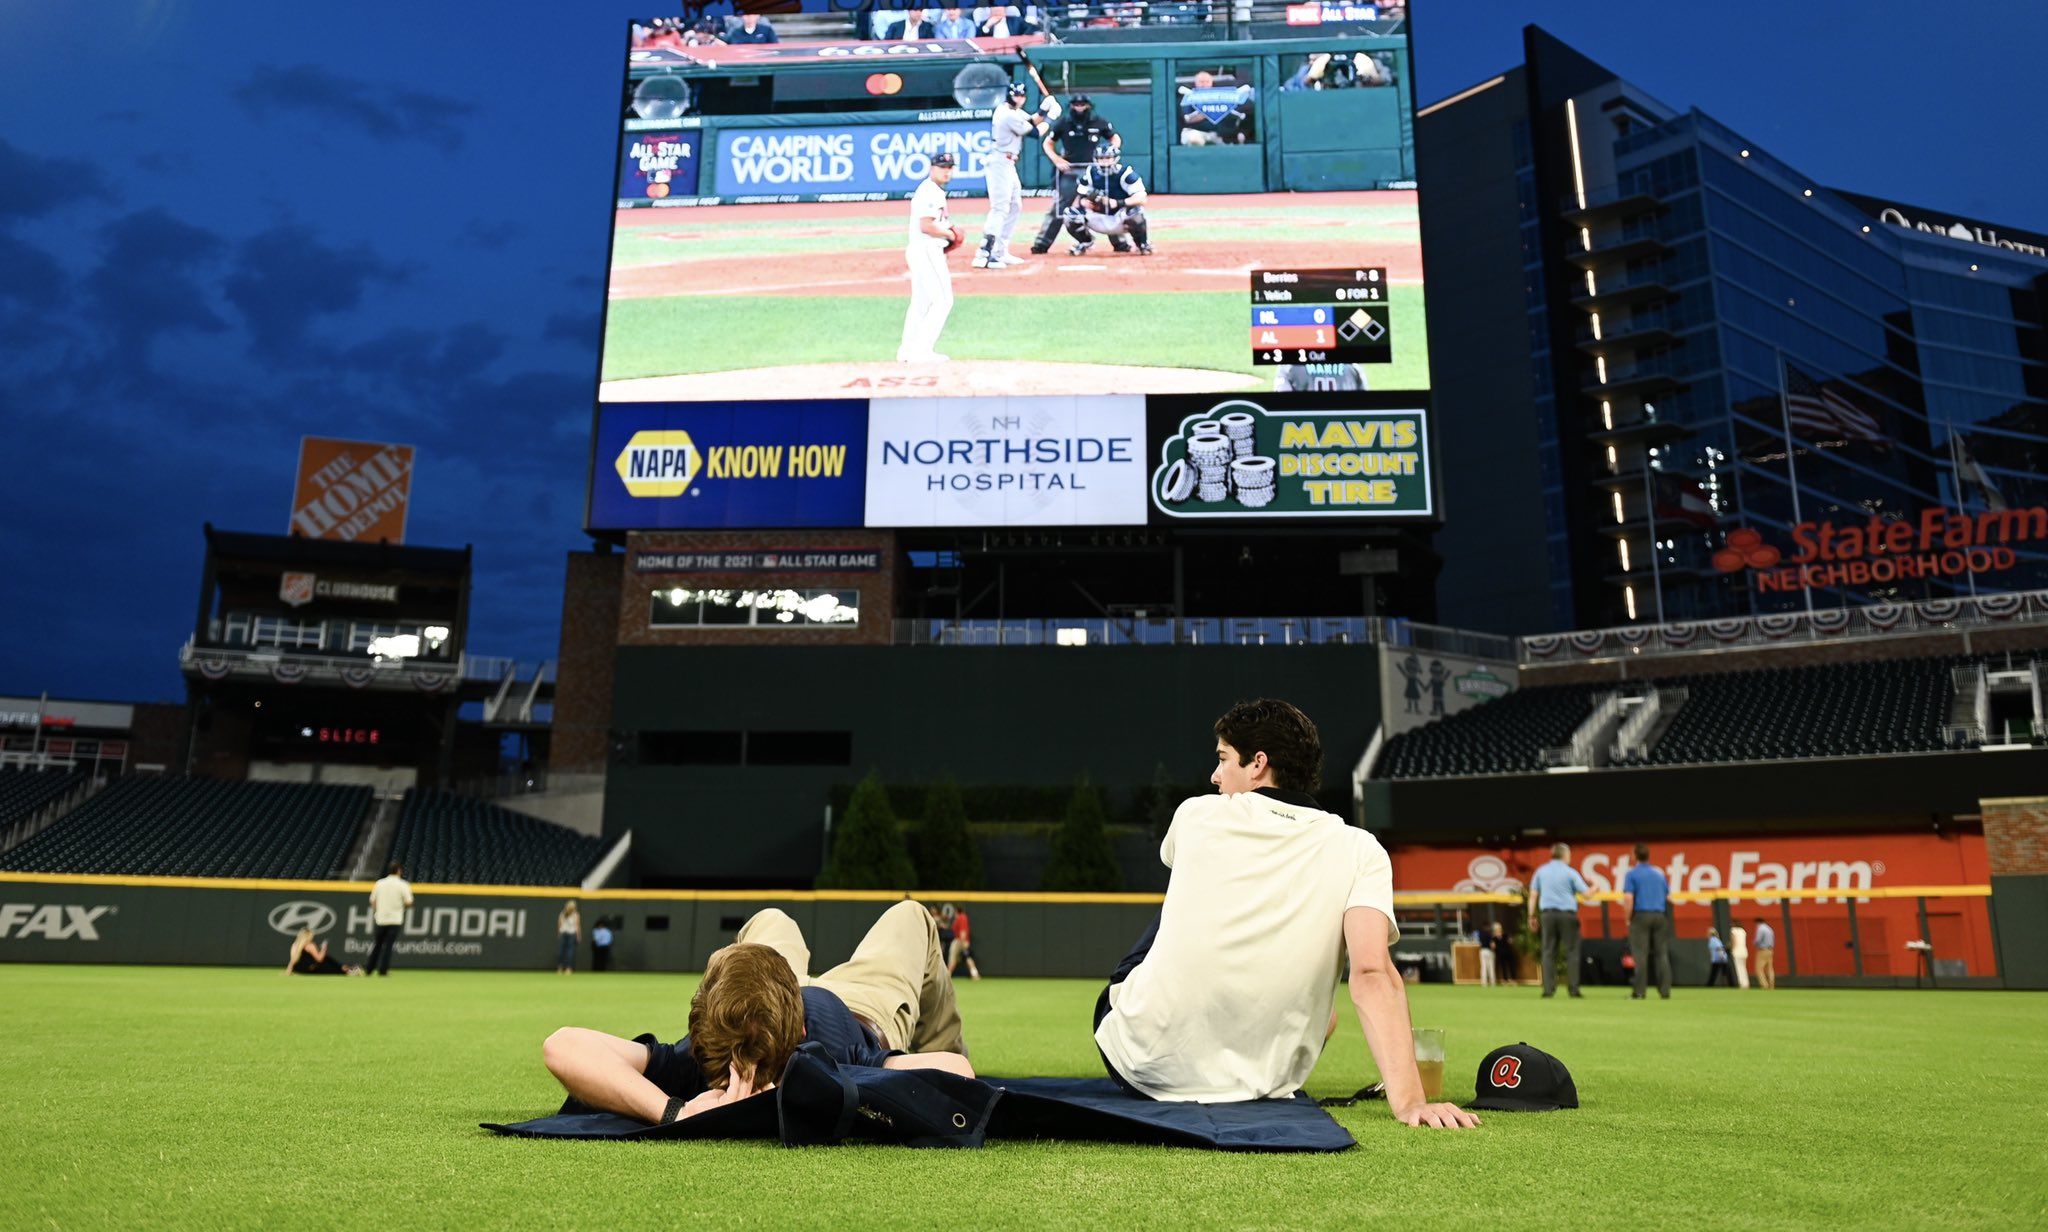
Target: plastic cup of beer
1429, 1060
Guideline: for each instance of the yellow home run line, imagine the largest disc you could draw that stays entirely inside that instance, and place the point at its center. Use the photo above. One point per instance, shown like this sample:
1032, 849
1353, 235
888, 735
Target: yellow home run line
1402, 898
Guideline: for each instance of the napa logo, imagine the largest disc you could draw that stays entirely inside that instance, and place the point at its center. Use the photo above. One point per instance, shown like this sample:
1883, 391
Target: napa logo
659, 463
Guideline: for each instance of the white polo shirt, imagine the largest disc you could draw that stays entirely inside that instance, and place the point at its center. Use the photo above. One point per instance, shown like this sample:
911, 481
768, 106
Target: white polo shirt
1233, 1001
389, 898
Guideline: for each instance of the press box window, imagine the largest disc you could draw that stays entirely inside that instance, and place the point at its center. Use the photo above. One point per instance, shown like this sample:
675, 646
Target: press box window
681, 607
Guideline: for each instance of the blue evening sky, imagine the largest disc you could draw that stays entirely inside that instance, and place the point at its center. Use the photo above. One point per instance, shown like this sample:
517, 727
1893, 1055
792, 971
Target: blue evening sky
227, 224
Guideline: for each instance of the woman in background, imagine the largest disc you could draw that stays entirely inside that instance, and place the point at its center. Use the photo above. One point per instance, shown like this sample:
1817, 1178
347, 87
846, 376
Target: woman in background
569, 927
310, 957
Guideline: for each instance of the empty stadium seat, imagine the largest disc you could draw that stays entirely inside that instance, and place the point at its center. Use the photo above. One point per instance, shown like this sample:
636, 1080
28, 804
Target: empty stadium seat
22, 792
1832, 710
171, 826
443, 837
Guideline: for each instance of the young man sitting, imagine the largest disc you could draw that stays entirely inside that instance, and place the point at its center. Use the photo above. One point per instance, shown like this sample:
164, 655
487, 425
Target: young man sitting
889, 1006
1229, 996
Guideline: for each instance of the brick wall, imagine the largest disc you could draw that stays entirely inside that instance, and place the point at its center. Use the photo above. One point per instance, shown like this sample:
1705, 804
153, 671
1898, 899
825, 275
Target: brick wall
2016, 836
1799, 654
583, 666
877, 589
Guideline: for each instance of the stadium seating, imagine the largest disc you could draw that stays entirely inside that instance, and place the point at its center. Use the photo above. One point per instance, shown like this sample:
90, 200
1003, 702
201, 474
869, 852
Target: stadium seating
444, 837
171, 826
1833, 710
1502, 737
22, 792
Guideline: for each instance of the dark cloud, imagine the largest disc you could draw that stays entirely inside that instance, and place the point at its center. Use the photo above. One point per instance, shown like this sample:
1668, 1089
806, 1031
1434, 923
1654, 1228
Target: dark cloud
579, 328
29, 277
381, 112
285, 278
153, 279
492, 234
32, 185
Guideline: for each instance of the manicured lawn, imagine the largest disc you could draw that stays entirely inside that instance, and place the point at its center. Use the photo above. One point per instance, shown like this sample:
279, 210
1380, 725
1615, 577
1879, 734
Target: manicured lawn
141, 1097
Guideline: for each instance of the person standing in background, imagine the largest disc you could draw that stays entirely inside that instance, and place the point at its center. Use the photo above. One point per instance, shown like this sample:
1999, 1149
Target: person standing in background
1738, 954
389, 898
1717, 960
1506, 965
1554, 906
568, 931
1766, 955
1648, 896
601, 945
1488, 976
962, 947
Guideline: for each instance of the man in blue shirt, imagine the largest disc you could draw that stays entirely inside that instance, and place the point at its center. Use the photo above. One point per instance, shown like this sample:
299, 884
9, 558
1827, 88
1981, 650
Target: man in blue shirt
1765, 939
1554, 899
1717, 960
1648, 896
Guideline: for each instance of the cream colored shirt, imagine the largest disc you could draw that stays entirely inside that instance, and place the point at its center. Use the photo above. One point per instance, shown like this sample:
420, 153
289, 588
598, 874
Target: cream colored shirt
1233, 1001
389, 898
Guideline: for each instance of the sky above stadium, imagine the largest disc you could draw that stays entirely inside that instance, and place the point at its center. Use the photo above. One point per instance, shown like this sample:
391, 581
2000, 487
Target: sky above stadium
225, 225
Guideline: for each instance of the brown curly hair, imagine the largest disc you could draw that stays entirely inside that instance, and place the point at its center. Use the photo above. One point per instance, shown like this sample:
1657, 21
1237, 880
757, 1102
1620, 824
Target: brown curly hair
748, 1014
1280, 731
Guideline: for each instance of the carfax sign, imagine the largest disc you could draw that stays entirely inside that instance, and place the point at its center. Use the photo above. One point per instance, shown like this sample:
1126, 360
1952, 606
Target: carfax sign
674, 466
1297, 458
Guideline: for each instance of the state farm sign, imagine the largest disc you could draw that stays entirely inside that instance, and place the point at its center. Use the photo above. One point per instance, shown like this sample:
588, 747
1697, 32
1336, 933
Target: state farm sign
1938, 543
1846, 862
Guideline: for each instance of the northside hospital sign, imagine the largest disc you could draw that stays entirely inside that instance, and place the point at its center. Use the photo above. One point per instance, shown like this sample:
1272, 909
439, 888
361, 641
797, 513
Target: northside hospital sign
1939, 543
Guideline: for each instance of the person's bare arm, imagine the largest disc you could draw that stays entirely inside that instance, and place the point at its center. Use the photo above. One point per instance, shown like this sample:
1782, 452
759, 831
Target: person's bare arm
951, 1062
604, 1071
1382, 1005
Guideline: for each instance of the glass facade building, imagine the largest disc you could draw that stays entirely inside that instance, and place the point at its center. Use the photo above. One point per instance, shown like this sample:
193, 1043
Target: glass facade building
1749, 392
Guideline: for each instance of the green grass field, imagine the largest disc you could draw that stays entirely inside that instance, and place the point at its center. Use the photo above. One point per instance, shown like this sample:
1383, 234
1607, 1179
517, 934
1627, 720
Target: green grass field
659, 337
146, 1097
695, 333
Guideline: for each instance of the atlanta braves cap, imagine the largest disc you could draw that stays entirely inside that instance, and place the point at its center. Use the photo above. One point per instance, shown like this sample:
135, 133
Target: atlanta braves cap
1519, 1078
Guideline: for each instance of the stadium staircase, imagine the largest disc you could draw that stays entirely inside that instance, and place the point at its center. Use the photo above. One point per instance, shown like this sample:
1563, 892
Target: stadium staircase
30, 800
1835, 710
373, 840
444, 837
172, 826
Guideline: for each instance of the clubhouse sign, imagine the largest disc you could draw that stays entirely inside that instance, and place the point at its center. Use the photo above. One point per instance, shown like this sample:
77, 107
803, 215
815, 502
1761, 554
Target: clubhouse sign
1939, 543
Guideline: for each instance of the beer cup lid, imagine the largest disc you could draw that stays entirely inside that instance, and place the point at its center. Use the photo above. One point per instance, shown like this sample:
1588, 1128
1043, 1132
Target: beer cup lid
1518, 1078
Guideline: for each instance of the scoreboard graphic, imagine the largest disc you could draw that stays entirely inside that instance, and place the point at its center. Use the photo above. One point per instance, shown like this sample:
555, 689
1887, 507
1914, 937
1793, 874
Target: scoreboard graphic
1320, 316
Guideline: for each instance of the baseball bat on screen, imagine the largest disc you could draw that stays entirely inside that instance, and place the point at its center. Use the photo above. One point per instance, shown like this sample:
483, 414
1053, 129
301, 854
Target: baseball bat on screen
1031, 68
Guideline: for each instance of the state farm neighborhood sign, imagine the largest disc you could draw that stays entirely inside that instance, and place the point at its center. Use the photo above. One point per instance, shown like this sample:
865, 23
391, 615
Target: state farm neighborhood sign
1938, 543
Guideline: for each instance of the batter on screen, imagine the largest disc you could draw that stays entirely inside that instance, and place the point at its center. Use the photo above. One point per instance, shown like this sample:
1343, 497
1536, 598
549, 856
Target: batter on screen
932, 236
1005, 192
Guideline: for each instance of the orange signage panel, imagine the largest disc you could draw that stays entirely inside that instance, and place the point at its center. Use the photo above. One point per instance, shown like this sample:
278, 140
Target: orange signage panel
352, 490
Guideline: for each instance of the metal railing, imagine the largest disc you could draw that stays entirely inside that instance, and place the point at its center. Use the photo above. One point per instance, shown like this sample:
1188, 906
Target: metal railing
1788, 628
1202, 631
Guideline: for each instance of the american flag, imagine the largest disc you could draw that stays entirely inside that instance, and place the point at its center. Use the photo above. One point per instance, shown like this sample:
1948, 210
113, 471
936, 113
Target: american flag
1823, 412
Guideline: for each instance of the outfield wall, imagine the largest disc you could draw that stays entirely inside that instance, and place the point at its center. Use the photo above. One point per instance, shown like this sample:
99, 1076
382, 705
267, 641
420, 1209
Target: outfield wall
221, 922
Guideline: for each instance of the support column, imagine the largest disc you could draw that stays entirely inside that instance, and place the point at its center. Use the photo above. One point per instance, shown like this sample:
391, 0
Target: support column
2016, 845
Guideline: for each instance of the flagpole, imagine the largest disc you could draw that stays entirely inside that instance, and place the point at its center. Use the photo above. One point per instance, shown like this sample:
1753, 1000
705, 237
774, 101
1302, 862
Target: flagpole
1650, 507
1791, 465
1955, 459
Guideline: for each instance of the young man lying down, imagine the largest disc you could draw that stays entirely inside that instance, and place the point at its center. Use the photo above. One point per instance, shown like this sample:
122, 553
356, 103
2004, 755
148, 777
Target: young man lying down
889, 1006
1229, 995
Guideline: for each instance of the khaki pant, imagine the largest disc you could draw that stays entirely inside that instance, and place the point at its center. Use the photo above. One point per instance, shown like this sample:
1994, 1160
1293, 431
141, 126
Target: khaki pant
1766, 968
896, 978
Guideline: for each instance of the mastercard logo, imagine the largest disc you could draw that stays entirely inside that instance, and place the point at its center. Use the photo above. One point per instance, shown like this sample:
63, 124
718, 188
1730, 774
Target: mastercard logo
1746, 550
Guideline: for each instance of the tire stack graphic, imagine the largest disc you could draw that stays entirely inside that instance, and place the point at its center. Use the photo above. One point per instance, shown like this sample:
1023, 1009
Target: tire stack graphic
1220, 465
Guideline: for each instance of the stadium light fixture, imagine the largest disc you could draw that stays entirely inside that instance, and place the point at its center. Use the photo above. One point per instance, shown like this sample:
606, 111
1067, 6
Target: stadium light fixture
1624, 556
1628, 594
1807, 193
1745, 153
1070, 637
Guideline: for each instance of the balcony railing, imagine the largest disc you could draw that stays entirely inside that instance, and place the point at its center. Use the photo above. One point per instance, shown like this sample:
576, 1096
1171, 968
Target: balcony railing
1788, 628
1081, 631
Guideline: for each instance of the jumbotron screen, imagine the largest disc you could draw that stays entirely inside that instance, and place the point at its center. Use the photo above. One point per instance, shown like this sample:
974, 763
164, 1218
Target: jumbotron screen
1074, 200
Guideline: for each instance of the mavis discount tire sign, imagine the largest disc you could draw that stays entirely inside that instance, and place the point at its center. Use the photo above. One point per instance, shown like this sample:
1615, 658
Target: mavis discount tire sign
1240, 459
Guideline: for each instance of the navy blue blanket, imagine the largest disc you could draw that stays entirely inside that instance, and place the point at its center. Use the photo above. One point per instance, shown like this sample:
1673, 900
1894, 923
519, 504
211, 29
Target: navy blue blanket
820, 1102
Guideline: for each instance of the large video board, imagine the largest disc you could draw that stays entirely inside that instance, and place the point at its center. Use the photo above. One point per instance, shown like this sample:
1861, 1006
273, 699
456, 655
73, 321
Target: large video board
1145, 210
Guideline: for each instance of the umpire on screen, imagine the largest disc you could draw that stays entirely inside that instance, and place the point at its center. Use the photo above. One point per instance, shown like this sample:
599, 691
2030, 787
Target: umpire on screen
1071, 146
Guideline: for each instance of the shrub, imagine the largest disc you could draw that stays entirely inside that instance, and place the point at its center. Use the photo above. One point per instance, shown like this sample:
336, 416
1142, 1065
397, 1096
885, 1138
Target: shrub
867, 846
1082, 859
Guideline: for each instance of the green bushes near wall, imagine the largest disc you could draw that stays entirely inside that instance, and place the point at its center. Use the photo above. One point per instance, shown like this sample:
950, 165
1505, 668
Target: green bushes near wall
946, 855
1082, 859
868, 851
